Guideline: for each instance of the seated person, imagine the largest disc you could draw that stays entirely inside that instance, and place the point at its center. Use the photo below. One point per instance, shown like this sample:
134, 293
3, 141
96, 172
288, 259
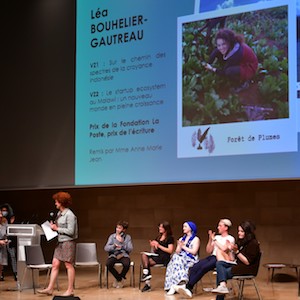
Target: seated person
247, 253
118, 246
162, 247
185, 256
215, 244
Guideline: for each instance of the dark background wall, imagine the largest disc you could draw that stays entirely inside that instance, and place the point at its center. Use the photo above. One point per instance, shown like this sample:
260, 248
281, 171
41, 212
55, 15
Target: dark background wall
273, 206
37, 134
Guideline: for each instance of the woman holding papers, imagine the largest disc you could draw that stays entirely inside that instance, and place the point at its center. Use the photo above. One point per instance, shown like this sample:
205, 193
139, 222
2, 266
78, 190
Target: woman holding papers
66, 226
161, 249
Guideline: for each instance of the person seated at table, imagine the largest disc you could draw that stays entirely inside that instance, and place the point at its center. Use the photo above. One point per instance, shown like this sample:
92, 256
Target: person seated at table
247, 252
162, 247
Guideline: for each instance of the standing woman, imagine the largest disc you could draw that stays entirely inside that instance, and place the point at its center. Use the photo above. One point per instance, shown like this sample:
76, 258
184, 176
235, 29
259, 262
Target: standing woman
185, 256
162, 248
3, 242
67, 229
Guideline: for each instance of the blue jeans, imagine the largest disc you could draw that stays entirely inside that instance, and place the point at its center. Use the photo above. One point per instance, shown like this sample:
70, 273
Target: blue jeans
223, 273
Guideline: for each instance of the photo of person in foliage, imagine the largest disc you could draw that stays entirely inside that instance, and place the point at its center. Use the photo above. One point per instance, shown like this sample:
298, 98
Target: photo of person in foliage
239, 62
241, 74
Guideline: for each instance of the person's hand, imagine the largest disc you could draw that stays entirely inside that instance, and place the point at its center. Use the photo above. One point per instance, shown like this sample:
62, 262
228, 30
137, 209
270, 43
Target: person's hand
54, 227
229, 245
210, 68
119, 238
211, 234
3, 242
180, 243
154, 244
118, 247
235, 248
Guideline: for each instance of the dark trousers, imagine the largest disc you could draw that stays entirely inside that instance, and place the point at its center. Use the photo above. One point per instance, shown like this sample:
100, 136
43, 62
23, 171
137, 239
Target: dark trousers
125, 261
199, 269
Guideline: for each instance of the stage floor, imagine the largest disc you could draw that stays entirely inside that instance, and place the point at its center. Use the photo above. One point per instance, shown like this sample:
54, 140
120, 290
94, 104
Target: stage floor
87, 288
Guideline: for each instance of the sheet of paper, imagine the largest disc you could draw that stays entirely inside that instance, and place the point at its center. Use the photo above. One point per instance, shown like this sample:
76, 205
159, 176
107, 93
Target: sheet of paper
49, 233
149, 253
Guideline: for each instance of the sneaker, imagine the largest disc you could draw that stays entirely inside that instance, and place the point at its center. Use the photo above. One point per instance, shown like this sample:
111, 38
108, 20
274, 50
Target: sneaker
171, 291
182, 290
146, 288
146, 277
115, 283
119, 284
221, 290
177, 286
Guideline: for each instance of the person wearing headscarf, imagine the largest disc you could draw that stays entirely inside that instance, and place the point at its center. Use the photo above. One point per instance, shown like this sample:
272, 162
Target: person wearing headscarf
185, 256
222, 242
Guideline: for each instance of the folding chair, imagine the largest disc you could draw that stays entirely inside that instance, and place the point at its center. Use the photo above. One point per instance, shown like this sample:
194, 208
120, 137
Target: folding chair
35, 260
86, 256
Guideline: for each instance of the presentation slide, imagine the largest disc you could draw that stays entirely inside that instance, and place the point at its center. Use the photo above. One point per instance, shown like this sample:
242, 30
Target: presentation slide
158, 102
201, 124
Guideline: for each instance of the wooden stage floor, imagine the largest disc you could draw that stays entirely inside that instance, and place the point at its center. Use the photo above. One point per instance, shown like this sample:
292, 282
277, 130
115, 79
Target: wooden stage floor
87, 289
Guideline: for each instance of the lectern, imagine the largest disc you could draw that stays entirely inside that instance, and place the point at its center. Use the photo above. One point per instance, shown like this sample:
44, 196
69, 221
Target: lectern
27, 234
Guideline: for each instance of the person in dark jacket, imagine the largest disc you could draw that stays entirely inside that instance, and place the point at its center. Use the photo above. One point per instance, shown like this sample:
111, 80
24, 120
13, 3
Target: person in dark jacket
237, 61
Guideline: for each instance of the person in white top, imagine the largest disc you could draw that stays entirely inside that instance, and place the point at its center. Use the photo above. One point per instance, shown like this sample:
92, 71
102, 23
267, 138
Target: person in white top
218, 246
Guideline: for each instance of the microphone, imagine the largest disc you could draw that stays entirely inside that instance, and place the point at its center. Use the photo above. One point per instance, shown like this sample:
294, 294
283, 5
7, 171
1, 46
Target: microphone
32, 219
52, 216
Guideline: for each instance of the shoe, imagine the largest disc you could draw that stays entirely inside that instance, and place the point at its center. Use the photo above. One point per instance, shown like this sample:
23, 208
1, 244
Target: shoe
146, 277
119, 284
45, 292
182, 290
171, 291
146, 288
115, 283
220, 290
177, 286
68, 294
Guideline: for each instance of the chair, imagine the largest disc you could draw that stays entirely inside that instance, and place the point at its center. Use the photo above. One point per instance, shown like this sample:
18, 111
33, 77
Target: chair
34, 259
242, 278
160, 266
132, 281
86, 256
